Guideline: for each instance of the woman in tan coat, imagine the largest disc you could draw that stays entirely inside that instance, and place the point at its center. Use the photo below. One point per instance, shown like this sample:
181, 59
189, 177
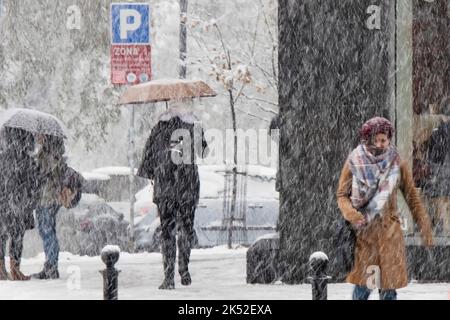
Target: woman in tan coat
367, 198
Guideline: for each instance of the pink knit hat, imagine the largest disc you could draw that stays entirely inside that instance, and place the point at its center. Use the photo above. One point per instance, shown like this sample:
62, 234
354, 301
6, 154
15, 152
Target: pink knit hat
375, 126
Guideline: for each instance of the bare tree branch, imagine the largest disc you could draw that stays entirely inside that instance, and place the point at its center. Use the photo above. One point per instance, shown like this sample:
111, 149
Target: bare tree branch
225, 50
252, 48
259, 99
240, 92
252, 115
274, 44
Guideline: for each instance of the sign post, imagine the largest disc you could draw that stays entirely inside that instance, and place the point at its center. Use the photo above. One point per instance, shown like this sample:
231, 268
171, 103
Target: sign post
130, 64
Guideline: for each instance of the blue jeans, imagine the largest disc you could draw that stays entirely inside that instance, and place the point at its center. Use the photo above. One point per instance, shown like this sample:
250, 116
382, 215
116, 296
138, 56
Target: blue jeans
363, 293
46, 219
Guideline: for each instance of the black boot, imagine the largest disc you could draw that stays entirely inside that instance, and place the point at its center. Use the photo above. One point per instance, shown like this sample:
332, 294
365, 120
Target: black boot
184, 253
169, 275
168, 248
49, 272
167, 284
186, 279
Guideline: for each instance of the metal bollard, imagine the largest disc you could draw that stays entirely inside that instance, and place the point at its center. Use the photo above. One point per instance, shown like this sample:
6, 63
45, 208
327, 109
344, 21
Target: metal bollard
110, 256
318, 264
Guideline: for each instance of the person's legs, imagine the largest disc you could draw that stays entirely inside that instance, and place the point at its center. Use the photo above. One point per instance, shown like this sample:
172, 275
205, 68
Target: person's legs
443, 213
3, 272
46, 218
361, 293
168, 242
446, 215
436, 214
388, 294
15, 254
186, 232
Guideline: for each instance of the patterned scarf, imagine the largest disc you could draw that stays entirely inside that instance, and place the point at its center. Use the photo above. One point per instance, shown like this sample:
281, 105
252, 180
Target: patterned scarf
374, 179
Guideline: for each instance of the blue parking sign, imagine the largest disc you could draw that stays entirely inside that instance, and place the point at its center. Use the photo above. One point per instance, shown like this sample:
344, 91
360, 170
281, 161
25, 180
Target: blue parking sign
130, 23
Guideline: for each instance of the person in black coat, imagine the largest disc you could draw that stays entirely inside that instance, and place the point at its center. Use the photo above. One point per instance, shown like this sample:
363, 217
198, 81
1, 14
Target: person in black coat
438, 186
19, 195
169, 160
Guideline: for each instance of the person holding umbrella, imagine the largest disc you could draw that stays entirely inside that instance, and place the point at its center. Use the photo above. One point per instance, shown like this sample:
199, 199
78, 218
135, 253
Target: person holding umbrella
176, 185
169, 160
48, 182
19, 194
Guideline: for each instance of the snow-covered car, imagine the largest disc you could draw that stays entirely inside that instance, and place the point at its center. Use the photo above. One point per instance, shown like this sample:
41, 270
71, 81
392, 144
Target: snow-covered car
210, 224
87, 228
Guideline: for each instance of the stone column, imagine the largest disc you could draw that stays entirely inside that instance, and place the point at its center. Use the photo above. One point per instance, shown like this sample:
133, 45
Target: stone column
334, 62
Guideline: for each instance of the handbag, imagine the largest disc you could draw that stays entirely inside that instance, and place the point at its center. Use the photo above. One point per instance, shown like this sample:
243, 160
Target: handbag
72, 187
344, 243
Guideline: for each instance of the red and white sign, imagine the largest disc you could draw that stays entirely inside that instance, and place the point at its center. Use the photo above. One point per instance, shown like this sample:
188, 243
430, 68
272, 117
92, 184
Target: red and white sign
130, 64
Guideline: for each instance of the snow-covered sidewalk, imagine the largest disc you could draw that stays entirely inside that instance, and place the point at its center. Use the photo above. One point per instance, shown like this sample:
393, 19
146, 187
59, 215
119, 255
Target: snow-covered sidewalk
217, 273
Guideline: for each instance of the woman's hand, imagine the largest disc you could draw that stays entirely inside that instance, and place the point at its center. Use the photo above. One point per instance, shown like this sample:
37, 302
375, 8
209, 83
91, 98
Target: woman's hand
361, 222
428, 242
66, 196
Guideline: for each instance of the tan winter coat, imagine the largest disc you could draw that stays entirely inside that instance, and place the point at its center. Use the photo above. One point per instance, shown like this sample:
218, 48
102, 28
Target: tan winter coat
380, 244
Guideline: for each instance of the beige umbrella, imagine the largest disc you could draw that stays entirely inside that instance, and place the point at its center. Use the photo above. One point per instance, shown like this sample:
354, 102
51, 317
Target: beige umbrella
151, 92
166, 90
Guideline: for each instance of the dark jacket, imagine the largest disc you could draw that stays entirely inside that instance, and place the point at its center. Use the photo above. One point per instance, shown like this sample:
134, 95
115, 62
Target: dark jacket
439, 161
52, 169
19, 182
56, 175
173, 181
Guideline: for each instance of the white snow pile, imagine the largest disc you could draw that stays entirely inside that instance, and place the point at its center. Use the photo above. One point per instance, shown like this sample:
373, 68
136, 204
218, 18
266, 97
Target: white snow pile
111, 249
318, 256
114, 171
268, 236
95, 176
92, 199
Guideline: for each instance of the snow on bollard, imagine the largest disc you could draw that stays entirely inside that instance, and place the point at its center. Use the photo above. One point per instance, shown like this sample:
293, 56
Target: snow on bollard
318, 264
110, 256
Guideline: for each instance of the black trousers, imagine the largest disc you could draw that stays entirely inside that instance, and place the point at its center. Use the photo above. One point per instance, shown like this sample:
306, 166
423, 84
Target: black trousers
176, 219
16, 243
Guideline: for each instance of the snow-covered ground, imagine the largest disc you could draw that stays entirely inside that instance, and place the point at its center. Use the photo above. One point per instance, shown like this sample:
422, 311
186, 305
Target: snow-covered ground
217, 273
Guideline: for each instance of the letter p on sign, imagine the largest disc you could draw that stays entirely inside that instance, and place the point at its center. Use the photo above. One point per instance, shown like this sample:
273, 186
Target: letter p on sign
125, 25
130, 23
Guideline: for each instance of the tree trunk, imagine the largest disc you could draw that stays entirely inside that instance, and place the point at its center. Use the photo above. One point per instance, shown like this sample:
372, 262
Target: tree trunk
234, 194
183, 36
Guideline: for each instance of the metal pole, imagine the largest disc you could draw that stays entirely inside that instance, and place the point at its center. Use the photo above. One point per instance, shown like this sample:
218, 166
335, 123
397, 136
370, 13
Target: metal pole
131, 162
110, 275
318, 264
183, 37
